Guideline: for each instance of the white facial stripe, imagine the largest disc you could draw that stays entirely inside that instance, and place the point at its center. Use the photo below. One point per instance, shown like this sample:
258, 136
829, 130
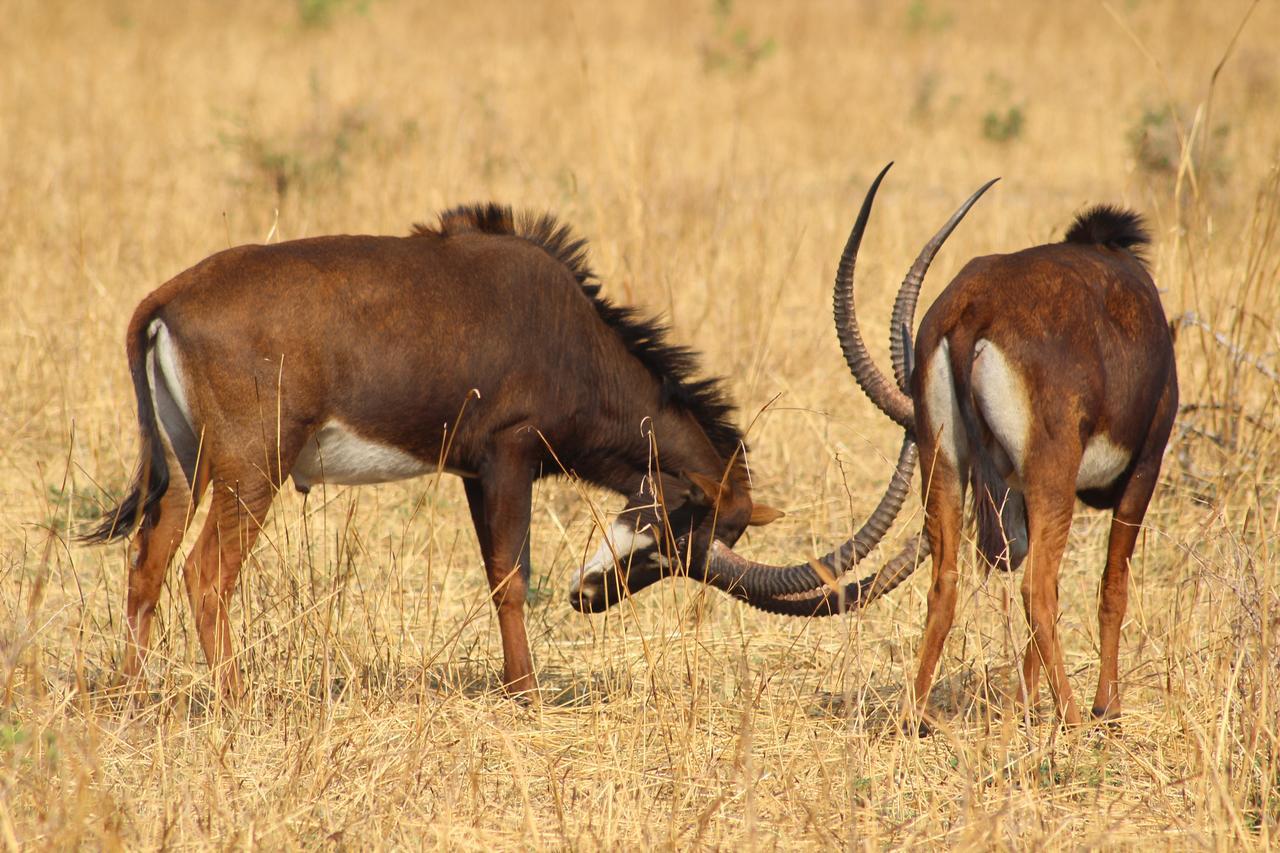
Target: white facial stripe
940, 400
1102, 462
1003, 401
620, 540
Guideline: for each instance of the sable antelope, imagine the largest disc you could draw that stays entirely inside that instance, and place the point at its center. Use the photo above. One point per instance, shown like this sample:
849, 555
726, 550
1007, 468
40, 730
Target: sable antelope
481, 347
1040, 376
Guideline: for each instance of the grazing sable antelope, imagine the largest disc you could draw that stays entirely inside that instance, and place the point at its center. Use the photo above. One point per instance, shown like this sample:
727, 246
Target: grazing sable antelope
1040, 376
480, 347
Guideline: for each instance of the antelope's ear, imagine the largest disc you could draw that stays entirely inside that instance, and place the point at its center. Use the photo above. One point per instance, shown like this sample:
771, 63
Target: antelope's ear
705, 490
762, 514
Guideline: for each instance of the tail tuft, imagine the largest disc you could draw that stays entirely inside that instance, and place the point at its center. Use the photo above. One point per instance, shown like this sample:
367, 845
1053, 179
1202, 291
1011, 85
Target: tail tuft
1110, 226
142, 504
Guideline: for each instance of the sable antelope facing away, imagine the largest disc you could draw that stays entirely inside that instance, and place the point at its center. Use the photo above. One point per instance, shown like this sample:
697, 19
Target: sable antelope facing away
480, 347
1040, 376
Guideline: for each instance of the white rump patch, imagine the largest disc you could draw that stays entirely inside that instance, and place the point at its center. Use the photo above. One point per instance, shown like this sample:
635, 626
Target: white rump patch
620, 540
1103, 461
169, 398
166, 356
1002, 398
337, 454
943, 410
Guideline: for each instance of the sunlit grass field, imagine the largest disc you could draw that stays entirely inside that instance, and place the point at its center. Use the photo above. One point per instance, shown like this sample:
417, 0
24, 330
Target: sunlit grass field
714, 155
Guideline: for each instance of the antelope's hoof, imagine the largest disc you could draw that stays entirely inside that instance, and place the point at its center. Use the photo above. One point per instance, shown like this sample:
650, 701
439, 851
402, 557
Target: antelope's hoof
1106, 717
916, 727
523, 691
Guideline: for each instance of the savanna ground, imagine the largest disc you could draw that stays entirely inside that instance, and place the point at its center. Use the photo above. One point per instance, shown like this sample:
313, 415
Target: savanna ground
714, 154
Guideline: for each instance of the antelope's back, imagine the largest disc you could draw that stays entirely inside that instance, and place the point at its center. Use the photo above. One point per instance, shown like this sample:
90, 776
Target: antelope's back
404, 329
1075, 319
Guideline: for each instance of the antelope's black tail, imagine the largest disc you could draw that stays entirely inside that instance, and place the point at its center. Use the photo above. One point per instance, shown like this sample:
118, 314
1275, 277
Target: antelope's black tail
999, 512
142, 504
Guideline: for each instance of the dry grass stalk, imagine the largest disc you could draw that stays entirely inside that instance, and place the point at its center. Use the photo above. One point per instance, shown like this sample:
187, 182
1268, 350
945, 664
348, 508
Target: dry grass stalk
140, 137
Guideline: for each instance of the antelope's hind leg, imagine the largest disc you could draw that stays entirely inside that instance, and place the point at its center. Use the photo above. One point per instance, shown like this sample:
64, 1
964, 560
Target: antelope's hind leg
944, 505
152, 550
1113, 597
155, 544
1050, 500
1126, 522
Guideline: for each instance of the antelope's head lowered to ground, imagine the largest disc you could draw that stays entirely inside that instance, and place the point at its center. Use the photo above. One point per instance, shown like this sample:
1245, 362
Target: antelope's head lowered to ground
647, 541
1038, 377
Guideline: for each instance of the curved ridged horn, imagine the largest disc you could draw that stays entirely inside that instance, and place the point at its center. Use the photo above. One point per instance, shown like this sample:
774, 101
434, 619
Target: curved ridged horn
904, 307
828, 601
889, 398
770, 587
809, 589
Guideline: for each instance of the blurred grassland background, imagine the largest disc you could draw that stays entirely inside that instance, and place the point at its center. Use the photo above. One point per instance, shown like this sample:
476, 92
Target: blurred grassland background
714, 155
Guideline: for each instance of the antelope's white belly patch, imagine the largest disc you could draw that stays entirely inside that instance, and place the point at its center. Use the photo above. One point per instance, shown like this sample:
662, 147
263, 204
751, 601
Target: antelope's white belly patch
1102, 462
944, 411
1002, 399
338, 455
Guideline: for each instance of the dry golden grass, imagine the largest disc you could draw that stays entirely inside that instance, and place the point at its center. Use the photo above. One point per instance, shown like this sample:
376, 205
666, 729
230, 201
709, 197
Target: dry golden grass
716, 175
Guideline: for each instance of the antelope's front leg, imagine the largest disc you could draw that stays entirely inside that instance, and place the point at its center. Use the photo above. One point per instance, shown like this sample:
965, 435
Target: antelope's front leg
1113, 600
500, 501
238, 509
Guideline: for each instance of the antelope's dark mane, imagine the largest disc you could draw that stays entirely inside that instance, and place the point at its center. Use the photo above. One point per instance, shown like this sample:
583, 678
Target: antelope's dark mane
1113, 227
675, 367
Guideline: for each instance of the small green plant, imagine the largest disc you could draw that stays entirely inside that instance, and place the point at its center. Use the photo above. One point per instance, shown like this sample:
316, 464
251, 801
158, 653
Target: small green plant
61, 500
925, 17
926, 92
315, 14
1156, 145
1006, 126
12, 735
314, 153
296, 160
1153, 140
732, 47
